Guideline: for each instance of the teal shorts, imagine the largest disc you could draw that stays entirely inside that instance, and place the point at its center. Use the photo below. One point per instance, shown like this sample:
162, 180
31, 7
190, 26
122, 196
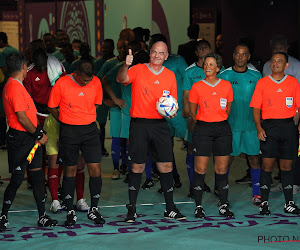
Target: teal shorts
125, 124
115, 122
245, 142
177, 125
102, 113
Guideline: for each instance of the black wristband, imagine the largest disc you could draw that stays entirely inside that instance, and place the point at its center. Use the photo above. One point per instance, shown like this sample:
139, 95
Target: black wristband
38, 134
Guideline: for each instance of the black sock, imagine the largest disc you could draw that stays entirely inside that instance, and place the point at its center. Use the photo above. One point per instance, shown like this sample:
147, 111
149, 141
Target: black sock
166, 182
198, 187
68, 186
287, 185
134, 183
222, 186
38, 185
10, 192
265, 184
95, 185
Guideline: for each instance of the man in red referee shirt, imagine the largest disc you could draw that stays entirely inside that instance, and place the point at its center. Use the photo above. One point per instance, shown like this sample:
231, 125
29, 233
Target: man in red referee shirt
148, 127
77, 96
276, 99
24, 132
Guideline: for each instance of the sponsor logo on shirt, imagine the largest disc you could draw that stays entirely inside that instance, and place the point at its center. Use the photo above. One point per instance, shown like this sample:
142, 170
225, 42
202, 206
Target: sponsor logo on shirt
156, 82
214, 93
234, 82
37, 79
279, 90
166, 92
81, 94
223, 102
289, 102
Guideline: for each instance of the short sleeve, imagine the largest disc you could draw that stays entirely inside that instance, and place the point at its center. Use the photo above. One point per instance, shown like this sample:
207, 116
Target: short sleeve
193, 95
256, 101
55, 95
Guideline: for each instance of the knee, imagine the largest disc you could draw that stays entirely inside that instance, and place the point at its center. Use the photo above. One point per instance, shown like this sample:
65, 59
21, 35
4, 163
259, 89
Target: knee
37, 177
16, 181
70, 171
221, 170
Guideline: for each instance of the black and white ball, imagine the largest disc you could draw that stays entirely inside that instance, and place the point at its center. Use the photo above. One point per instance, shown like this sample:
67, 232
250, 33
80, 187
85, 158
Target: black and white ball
167, 106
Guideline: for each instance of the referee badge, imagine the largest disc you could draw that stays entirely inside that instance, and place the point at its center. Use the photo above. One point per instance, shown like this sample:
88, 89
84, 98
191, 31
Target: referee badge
289, 101
223, 103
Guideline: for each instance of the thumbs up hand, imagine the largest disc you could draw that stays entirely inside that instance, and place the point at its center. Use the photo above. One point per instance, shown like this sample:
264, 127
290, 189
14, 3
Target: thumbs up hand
129, 58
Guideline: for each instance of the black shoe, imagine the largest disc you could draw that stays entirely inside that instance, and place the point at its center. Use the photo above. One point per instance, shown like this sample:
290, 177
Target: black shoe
174, 214
126, 178
155, 175
94, 215
191, 193
46, 221
264, 208
3, 223
123, 169
177, 181
199, 212
105, 153
245, 180
224, 211
291, 208
216, 192
131, 214
71, 218
206, 188
148, 184
219, 203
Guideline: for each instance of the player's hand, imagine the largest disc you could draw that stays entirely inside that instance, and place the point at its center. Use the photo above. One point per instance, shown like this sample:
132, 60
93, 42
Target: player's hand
296, 119
170, 117
44, 139
190, 123
261, 134
129, 58
121, 103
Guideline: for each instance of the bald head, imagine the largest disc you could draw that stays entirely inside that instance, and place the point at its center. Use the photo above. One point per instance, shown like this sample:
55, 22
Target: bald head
158, 53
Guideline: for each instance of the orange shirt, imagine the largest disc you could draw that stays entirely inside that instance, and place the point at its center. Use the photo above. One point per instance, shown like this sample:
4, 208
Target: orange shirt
276, 99
15, 99
211, 99
76, 103
147, 86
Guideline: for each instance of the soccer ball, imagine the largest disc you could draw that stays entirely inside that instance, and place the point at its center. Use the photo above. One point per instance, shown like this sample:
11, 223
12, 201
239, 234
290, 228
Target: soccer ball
167, 106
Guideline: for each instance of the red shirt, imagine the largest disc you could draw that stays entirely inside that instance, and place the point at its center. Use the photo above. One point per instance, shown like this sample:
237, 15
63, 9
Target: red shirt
76, 103
38, 84
211, 99
16, 99
276, 99
147, 87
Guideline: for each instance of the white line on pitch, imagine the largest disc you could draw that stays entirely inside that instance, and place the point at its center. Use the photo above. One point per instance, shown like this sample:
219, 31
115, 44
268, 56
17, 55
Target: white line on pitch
144, 204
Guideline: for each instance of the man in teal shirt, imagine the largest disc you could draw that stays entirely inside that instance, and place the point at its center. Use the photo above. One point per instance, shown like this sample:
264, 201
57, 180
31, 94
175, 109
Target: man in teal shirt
244, 135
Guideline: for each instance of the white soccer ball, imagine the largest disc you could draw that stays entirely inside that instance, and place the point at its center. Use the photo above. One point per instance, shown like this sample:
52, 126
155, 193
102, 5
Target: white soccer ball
167, 106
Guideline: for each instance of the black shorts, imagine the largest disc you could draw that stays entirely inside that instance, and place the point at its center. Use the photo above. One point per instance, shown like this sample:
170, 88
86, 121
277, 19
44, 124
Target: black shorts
282, 139
212, 138
19, 145
149, 135
73, 138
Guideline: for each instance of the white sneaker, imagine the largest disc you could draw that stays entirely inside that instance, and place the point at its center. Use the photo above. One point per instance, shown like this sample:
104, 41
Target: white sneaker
296, 189
55, 206
82, 205
276, 188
